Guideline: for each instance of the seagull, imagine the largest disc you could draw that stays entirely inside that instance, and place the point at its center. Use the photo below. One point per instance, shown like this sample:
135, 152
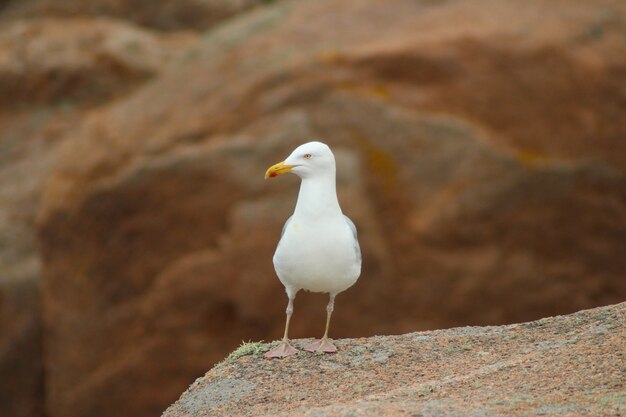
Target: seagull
318, 249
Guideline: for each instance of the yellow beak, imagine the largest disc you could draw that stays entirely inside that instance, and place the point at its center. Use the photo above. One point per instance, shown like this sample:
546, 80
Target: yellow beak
279, 168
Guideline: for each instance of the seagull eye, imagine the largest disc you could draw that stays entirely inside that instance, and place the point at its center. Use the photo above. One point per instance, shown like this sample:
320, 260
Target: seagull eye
307, 156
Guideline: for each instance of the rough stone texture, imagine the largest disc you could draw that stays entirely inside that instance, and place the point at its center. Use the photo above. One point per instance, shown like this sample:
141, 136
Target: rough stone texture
72, 61
29, 139
168, 15
52, 72
21, 362
560, 366
480, 154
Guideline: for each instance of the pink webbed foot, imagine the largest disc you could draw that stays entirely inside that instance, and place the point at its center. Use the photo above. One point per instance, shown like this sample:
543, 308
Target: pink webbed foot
323, 345
283, 350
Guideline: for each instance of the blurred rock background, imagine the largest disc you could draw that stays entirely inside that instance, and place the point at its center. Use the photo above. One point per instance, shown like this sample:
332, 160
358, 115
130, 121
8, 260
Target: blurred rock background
481, 149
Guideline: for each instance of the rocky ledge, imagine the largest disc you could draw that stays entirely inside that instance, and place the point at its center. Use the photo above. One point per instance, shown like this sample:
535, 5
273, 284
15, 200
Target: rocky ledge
570, 365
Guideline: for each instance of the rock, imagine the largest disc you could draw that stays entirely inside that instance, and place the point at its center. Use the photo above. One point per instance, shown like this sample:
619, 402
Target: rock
72, 61
51, 73
28, 144
473, 207
21, 359
163, 15
29, 141
565, 365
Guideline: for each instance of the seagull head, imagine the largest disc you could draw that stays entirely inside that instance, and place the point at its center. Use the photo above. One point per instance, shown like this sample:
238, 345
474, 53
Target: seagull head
312, 159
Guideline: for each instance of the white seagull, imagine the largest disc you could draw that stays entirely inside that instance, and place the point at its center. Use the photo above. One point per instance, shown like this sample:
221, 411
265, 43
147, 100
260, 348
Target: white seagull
318, 250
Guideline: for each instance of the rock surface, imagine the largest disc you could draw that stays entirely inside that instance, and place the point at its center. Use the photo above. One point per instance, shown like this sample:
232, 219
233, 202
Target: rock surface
170, 15
69, 62
21, 356
480, 155
559, 366
52, 72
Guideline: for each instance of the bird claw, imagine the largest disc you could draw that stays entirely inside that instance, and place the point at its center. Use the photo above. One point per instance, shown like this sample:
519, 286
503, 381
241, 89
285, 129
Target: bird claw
322, 346
283, 350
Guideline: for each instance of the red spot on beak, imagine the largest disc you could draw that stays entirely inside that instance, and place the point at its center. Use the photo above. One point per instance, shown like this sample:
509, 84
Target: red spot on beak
273, 174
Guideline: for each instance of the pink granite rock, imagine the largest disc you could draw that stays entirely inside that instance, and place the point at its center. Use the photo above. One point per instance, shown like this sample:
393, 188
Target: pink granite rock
559, 366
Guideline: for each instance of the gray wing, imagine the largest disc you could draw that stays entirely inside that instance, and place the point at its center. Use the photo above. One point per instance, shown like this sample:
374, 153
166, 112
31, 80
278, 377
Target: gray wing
357, 248
289, 221
350, 223
282, 233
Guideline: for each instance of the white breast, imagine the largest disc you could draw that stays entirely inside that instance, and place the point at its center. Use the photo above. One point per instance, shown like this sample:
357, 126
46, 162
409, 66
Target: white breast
319, 256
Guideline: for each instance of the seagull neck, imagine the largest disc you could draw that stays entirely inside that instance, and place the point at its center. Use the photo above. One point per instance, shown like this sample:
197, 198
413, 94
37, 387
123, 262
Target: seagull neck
317, 197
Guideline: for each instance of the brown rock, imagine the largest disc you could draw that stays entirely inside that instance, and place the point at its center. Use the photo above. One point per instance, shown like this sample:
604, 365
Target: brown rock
51, 72
559, 366
163, 15
21, 364
29, 141
157, 229
73, 61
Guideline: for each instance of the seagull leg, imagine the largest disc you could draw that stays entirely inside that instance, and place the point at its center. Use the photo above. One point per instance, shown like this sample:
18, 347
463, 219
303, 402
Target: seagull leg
325, 345
284, 349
